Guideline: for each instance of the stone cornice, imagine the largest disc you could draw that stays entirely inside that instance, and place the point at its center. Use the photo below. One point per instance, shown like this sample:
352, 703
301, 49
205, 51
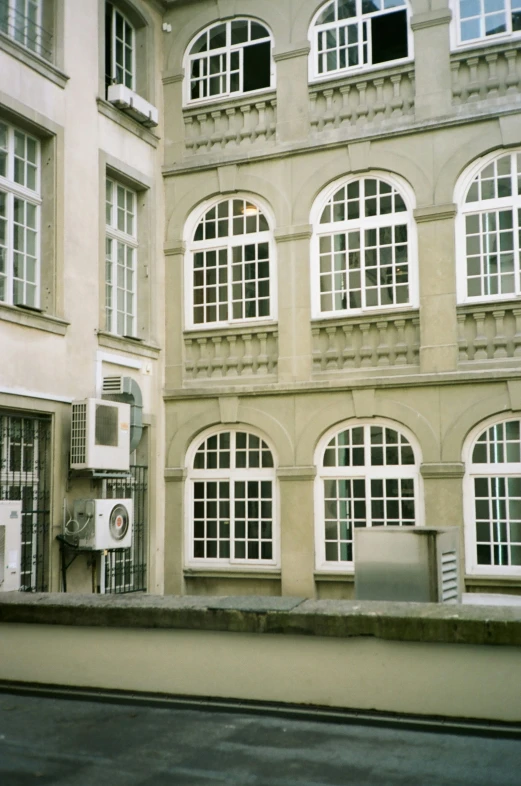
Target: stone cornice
440, 16
174, 474
173, 77
296, 473
287, 234
301, 51
443, 469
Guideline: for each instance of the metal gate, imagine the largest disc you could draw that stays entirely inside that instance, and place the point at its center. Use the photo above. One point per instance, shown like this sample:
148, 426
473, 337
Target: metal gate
25, 475
126, 569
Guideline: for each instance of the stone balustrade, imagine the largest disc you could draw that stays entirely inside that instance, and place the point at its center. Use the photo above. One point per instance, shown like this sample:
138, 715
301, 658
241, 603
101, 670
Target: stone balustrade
373, 98
489, 332
232, 124
486, 73
231, 353
366, 342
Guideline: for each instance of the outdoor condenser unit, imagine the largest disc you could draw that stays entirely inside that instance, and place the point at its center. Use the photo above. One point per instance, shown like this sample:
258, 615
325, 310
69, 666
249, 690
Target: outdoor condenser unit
407, 564
10, 544
100, 524
100, 435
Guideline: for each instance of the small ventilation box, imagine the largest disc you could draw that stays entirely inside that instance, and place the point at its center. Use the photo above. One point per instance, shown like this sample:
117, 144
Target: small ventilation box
100, 524
407, 564
10, 544
100, 435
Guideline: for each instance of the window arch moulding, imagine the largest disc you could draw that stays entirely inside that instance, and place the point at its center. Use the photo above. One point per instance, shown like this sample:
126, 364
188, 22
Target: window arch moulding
349, 36
229, 59
492, 498
368, 474
230, 264
364, 252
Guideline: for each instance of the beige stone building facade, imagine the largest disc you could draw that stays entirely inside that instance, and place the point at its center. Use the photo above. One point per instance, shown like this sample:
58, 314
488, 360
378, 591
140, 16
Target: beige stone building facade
325, 318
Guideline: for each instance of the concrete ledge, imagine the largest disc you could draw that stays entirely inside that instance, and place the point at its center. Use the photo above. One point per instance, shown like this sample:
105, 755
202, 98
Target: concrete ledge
406, 622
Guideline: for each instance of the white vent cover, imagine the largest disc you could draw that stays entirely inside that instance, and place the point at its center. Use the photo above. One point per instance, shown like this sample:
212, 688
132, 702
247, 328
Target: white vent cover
10, 544
100, 435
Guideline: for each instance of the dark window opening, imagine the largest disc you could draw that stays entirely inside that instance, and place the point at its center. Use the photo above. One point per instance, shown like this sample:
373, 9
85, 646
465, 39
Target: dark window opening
389, 37
108, 44
257, 66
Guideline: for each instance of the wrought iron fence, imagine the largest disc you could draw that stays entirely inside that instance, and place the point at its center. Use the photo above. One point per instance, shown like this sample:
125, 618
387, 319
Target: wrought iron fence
126, 569
25, 475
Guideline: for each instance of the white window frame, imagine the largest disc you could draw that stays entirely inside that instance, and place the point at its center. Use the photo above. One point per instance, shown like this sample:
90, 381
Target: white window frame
366, 473
226, 51
390, 219
497, 38
116, 11
23, 29
228, 242
512, 203
472, 471
362, 22
117, 238
230, 475
13, 191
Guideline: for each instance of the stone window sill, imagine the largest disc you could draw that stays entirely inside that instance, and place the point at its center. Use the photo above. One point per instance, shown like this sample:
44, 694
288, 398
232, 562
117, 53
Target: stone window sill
118, 116
38, 64
33, 319
135, 346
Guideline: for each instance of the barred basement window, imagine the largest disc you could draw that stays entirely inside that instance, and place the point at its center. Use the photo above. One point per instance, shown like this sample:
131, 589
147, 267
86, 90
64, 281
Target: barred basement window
490, 222
229, 58
492, 489
363, 246
367, 477
231, 501
20, 204
352, 34
230, 265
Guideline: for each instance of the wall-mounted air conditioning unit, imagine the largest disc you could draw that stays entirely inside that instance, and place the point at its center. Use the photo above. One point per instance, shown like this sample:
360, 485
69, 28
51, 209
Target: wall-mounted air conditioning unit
408, 564
100, 524
10, 544
133, 104
100, 435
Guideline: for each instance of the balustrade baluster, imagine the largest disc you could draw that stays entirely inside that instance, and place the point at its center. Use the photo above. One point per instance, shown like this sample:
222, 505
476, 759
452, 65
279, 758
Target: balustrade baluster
348, 353
189, 358
262, 358
382, 348
500, 340
397, 99
246, 363
247, 131
273, 353
463, 343
456, 85
517, 337
366, 350
346, 112
190, 143
204, 136
262, 128
474, 83
400, 347
231, 135
332, 353
316, 351
379, 104
202, 362
329, 115
492, 85
481, 340
415, 348
232, 361
217, 360
314, 118
512, 80
362, 108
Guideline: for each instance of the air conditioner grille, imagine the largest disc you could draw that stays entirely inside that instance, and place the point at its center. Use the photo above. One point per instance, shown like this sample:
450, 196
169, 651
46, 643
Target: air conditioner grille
79, 433
106, 428
449, 577
112, 385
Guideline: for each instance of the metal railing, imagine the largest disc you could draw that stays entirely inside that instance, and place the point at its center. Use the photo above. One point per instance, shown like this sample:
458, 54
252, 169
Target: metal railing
126, 569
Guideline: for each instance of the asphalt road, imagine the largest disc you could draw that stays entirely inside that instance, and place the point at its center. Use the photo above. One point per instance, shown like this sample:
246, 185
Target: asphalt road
61, 742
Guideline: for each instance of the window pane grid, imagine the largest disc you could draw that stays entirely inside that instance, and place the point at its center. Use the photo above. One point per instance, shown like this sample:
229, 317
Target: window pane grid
365, 266
19, 217
21, 21
481, 18
492, 211
121, 56
217, 63
231, 264
233, 501
377, 488
120, 259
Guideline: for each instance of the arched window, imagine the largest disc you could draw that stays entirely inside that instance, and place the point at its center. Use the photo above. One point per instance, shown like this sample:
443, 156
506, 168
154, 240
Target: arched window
231, 503
485, 19
229, 58
355, 34
488, 229
363, 247
367, 477
230, 265
492, 495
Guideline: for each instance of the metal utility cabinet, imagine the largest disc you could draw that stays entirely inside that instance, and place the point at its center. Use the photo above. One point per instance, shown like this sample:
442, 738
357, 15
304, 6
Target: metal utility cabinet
407, 564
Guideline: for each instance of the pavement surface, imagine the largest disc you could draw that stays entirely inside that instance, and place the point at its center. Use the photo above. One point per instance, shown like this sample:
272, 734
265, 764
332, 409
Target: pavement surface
73, 742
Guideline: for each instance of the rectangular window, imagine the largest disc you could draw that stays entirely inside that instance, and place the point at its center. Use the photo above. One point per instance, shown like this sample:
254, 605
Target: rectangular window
20, 204
119, 49
21, 20
120, 259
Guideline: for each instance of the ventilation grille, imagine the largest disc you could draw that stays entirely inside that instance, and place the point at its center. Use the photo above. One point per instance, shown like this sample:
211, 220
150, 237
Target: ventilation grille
79, 433
106, 428
112, 385
2, 553
449, 577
